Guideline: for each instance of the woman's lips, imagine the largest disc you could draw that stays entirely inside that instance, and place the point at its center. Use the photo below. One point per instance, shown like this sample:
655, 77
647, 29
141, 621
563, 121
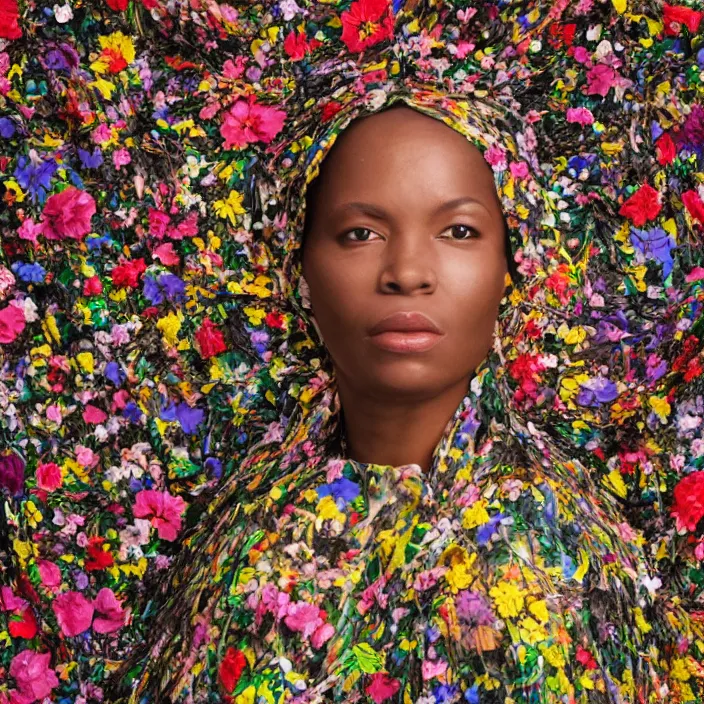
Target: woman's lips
406, 332
405, 342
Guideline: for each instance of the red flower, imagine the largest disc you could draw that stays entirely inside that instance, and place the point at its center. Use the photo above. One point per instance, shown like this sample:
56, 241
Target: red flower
275, 320
99, 559
118, 5
330, 110
674, 16
127, 274
642, 206
231, 668
694, 205
297, 46
366, 23
382, 687
666, 150
210, 339
586, 658
23, 625
688, 506
9, 20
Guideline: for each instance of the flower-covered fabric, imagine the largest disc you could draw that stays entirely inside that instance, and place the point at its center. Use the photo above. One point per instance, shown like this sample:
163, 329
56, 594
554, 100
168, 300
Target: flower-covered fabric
177, 521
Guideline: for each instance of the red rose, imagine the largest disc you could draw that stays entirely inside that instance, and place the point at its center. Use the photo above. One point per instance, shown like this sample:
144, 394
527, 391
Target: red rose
642, 206
665, 149
330, 110
118, 5
295, 45
9, 20
210, 339
231, 668
688, 506
275, 320
674, 16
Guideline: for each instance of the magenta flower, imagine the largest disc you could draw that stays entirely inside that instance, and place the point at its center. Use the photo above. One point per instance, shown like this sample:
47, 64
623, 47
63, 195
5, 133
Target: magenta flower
12, 323
303, 618
247, 122
68, 214
110, 614
35, 678
382, 687
74, 613
163, 510
601, 79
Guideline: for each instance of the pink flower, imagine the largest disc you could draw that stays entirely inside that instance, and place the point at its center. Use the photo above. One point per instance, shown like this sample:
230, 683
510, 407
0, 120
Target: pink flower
433, 668
12, 323
601, 79
382, 687
162, 509
582, 116
49, 476
74, 613
29, 230
93, 414
121, 157
519, 169
158, 222
10, 602
166, 254
49, 573
68, 214
35, 679
303, 618
495, 156
247, 121
111, 615
322, 635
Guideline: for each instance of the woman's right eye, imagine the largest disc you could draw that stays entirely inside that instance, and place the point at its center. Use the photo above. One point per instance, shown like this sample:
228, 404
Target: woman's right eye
363, 232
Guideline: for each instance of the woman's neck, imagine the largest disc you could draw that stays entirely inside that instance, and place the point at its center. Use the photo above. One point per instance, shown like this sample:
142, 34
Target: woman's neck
397, 432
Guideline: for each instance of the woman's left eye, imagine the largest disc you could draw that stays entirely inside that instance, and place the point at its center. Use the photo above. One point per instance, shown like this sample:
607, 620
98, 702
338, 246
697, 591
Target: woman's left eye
462, 232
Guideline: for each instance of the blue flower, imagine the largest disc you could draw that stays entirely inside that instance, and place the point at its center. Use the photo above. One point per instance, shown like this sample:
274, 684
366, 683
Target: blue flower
445, 692
472, 695
114, 374
342, 488
7, 127
596, 391
485, 531
31, 273
35, 176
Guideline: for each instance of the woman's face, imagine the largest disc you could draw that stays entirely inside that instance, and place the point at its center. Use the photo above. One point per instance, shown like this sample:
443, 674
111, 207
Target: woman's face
404, 225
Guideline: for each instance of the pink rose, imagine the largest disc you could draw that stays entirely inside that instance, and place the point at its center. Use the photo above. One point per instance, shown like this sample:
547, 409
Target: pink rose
12, 323
601, 79
382, 687
35, 678
322, 635
68, 214
433, 668
111, 615
162, 509
49, 476
582, 116
74, 613
93, 414
10, 602
247, 121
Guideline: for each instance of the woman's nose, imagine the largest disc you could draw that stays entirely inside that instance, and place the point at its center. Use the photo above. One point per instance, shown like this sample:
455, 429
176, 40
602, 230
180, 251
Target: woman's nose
409, 267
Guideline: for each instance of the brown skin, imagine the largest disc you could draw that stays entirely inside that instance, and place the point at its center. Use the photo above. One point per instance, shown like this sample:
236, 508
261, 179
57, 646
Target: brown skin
408, 249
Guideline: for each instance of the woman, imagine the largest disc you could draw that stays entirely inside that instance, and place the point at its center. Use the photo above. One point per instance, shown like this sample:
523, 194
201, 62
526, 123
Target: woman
461, 534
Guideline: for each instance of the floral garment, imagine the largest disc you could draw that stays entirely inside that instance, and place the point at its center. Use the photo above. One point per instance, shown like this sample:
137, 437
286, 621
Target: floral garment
476, 582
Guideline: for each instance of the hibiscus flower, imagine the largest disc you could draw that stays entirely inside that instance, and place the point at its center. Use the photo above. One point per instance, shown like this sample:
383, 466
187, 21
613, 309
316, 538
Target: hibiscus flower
163, 510
247, 122
68, 214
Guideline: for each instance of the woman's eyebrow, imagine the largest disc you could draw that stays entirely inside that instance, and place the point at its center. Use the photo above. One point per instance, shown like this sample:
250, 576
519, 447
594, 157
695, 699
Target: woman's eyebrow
378, 212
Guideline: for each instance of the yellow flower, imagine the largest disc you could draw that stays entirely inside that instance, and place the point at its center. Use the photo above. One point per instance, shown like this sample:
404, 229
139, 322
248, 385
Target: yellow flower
461, 574
475, 515
661, 407
118, 50
531, 631
327, 510
679, 670
231, 207
509, 599
169, 326
255, 315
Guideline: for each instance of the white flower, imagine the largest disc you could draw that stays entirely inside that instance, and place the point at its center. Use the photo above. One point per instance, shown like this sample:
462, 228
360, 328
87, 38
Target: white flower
63, 14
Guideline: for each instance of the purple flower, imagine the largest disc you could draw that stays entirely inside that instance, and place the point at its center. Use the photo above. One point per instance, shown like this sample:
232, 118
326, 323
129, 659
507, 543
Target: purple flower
12, 473
473, 608
35, 176
488, 529
114, 374
189, 418
655, 244
597, 391
90, 161
692, 133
